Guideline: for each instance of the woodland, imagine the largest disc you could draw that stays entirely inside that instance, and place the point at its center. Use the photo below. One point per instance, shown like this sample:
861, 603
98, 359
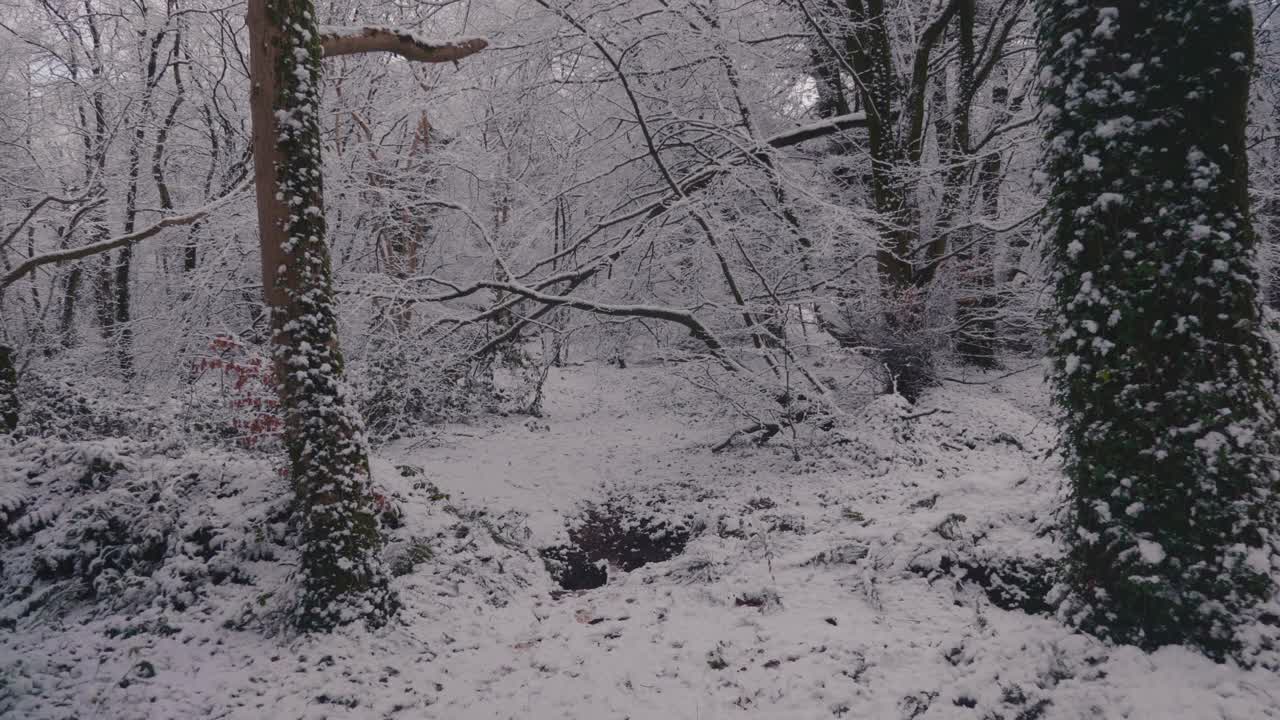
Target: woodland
639, 359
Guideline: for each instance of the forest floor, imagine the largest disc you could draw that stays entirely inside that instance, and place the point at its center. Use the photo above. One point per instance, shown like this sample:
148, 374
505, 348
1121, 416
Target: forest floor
865, 579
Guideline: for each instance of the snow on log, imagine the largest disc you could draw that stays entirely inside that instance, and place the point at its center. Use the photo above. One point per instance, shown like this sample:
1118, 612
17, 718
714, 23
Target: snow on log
336, 41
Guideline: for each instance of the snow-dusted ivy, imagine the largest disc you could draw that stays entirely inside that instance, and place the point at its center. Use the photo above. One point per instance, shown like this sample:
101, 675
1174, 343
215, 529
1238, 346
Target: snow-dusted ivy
1165, 380
342, 576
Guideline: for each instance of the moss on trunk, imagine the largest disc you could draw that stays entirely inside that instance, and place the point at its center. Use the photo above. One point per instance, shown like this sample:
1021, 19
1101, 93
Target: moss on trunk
342, 575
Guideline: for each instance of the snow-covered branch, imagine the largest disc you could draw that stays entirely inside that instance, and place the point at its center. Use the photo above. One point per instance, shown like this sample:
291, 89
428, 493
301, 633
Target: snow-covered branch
35, 209
680, 317
819, 129
110, 244
335, 41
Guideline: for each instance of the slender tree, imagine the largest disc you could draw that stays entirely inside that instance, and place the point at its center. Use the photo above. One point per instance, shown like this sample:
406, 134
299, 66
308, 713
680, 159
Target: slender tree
1165, 380
9, 403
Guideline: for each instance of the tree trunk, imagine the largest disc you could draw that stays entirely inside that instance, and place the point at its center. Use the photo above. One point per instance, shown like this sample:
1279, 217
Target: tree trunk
124, 260
895, 140
342, 576
1160, 362
978, 345
95, 171
975, 316
67, 311
8, 390
410, 225
1270, 222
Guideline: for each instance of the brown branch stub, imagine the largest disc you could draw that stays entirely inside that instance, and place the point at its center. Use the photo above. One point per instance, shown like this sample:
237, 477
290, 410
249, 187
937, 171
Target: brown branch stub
335, 41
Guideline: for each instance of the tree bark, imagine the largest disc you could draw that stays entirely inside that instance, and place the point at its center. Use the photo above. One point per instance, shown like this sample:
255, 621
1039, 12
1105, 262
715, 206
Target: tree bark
8, 390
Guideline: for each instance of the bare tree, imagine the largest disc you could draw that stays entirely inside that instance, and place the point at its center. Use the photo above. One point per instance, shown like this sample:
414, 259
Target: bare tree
893, 63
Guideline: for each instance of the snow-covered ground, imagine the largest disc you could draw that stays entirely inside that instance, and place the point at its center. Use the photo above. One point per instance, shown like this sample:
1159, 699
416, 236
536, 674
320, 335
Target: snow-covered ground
820, 587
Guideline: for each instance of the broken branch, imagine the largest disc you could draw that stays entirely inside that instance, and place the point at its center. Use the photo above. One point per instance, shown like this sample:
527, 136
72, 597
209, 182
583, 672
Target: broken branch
335, 41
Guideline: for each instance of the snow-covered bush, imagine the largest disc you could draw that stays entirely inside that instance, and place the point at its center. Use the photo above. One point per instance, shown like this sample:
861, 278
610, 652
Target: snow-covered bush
120, 525
54, 407
407, 388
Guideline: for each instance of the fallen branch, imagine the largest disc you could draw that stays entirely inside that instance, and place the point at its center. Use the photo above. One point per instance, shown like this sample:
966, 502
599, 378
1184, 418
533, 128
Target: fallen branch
766, 430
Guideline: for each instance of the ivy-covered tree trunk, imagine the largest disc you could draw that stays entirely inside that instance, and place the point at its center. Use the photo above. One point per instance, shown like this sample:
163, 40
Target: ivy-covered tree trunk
1164, 377
342, 576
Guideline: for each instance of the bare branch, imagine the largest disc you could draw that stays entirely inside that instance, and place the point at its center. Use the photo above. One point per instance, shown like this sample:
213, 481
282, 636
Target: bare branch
38, 206
680, 317
818, 129
110, 244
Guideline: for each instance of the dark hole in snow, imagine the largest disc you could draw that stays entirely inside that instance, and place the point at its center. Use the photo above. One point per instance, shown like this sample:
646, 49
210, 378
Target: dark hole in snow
572, 569
612, 533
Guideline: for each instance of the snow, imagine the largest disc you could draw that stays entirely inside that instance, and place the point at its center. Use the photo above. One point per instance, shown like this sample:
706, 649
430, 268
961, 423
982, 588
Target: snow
840, 554
1151, 552
1108, 199
813, 127
340, 31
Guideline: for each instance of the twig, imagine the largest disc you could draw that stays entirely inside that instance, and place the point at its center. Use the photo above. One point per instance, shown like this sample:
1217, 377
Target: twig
1011, 373
926, 413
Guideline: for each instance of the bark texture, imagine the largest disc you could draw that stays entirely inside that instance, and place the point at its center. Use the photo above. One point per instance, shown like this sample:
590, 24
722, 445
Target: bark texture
8, 390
